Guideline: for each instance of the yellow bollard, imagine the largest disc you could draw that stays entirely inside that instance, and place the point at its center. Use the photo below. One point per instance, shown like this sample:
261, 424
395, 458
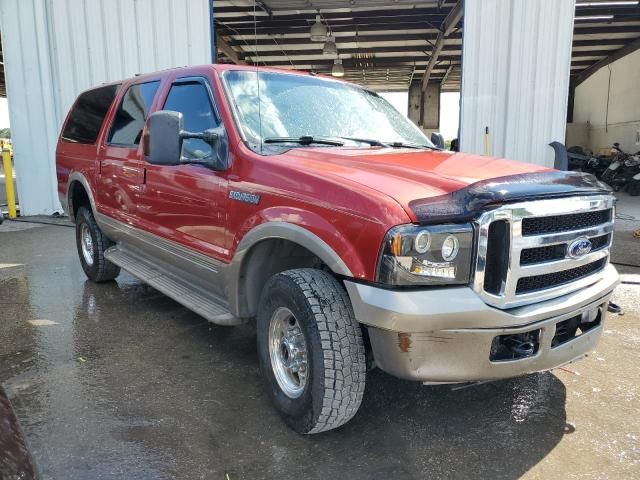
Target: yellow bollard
8, 182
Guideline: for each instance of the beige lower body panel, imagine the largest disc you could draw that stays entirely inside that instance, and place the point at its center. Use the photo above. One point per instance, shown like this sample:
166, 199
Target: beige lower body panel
445, 336
453, 356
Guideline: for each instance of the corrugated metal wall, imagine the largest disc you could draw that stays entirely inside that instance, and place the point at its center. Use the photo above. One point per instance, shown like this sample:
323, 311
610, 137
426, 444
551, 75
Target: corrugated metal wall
54, 49
515, 76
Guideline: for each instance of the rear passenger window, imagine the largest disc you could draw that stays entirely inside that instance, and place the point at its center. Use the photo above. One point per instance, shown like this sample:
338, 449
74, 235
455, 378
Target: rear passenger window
193, 101
87, 115
129, 119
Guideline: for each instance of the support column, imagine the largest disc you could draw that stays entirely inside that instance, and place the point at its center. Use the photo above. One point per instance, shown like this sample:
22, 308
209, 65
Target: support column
515, 77
424, 106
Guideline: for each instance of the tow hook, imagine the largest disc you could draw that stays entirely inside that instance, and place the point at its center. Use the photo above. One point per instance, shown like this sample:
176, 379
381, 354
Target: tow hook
515, 347
520, 345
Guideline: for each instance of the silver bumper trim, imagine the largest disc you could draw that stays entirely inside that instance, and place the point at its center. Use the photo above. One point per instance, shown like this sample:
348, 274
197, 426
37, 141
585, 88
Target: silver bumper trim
445, 335
461, 307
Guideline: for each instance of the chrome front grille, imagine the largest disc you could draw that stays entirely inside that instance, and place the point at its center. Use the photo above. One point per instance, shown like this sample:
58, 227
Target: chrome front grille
523, 249
564, 223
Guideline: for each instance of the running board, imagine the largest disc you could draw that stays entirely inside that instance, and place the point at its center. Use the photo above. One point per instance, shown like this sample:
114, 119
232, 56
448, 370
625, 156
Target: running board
194, 299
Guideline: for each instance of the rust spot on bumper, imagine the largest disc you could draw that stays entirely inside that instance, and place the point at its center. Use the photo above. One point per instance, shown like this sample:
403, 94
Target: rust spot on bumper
404, 342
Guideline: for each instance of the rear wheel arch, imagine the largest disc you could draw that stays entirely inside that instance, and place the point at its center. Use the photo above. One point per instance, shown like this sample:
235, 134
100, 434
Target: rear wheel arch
79, 193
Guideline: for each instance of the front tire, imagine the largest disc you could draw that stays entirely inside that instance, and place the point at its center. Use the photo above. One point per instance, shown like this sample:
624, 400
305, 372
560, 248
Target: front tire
311, 350
91, 244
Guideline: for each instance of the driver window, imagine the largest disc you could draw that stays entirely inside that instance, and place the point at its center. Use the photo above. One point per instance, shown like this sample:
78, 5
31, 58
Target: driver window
193, 101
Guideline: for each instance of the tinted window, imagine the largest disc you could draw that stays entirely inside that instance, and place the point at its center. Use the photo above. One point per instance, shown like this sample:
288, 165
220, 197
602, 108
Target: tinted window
192, 100
129, 119
85, 120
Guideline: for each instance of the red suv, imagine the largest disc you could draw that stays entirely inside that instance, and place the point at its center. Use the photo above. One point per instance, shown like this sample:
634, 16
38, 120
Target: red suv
312, 207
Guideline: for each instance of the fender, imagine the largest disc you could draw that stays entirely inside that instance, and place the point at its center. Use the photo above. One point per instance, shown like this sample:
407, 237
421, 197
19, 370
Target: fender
285, 231
79, 177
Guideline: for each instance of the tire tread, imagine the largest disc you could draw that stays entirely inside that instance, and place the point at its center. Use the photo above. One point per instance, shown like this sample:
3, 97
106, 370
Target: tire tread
342, 346
105, 271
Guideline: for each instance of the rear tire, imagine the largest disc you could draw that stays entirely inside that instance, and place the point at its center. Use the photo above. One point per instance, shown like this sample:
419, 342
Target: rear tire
91, 244
324, 387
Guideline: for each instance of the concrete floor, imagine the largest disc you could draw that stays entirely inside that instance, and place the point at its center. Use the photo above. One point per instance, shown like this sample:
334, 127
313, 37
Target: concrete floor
117, 381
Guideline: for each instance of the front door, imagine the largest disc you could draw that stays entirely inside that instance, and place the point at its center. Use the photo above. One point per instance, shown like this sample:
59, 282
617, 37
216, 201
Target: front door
122, 167
188, 203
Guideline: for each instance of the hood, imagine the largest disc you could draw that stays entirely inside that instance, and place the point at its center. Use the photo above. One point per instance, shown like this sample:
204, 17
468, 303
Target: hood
425, 181
407, 174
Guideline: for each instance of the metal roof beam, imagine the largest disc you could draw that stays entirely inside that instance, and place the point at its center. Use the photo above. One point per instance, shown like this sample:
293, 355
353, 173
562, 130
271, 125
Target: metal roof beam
222, 44
342, 50
446, 75
336, 16
617, 55
447, 26
608, 9
377, 61
307, 52
375, 26
612, 29
349, 39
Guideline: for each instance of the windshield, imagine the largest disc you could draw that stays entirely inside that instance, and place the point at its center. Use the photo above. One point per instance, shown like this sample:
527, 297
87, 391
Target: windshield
295, 106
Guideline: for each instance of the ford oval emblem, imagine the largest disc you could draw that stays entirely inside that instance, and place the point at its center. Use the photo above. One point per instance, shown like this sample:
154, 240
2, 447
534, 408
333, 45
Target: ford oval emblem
579, 248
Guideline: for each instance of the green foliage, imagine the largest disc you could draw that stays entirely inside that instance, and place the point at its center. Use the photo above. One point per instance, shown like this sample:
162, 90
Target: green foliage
5, 133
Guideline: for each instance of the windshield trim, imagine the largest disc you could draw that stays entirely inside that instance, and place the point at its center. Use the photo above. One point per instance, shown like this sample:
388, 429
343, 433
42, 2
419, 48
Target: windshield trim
260, 148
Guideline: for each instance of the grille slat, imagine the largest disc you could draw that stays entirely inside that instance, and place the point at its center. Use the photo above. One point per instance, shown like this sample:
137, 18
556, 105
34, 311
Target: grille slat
497, 256
550, 253
548, 280
564, 223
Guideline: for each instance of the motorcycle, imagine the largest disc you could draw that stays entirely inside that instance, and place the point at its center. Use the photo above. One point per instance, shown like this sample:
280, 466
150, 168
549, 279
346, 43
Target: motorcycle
623, 169
583, 160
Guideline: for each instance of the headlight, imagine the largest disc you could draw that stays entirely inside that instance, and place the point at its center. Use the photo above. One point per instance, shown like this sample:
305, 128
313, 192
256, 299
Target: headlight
432, 255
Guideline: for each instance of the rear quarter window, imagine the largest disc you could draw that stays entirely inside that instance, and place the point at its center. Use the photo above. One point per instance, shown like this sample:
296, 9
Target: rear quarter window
87, 114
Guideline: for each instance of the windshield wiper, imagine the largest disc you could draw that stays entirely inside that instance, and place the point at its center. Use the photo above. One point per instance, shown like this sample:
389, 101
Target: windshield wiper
305, 140
373, 143
410, 145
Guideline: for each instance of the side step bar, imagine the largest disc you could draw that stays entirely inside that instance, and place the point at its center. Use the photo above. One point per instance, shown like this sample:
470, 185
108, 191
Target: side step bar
194, 299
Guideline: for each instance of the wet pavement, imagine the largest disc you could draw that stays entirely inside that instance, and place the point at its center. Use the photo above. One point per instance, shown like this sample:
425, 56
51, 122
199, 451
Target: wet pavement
117, 381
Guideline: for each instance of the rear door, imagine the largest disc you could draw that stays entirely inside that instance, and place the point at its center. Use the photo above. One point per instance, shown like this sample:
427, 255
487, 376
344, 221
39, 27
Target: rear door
188, 203
122, 166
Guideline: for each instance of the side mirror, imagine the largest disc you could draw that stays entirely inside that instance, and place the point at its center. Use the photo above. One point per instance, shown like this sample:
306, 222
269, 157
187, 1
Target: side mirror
163, 138
437, 139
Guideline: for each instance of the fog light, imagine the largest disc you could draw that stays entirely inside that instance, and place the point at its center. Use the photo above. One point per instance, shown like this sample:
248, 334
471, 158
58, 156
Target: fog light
450, 248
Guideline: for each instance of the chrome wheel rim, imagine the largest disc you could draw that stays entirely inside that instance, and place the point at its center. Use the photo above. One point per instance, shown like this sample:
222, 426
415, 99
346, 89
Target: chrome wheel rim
288, 352
86, 243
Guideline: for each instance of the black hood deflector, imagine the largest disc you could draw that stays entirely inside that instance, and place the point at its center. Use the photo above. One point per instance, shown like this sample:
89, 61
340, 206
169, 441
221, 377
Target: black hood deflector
467, 203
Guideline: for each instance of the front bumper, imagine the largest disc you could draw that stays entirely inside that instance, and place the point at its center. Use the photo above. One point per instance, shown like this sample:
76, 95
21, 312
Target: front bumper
445, 335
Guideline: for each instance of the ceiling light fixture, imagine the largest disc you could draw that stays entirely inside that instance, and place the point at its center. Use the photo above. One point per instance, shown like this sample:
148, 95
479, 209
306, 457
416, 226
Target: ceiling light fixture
330, 48
338, 69
318, 31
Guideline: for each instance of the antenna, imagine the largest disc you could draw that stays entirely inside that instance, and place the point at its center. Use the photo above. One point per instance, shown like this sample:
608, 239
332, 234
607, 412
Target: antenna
255, 36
